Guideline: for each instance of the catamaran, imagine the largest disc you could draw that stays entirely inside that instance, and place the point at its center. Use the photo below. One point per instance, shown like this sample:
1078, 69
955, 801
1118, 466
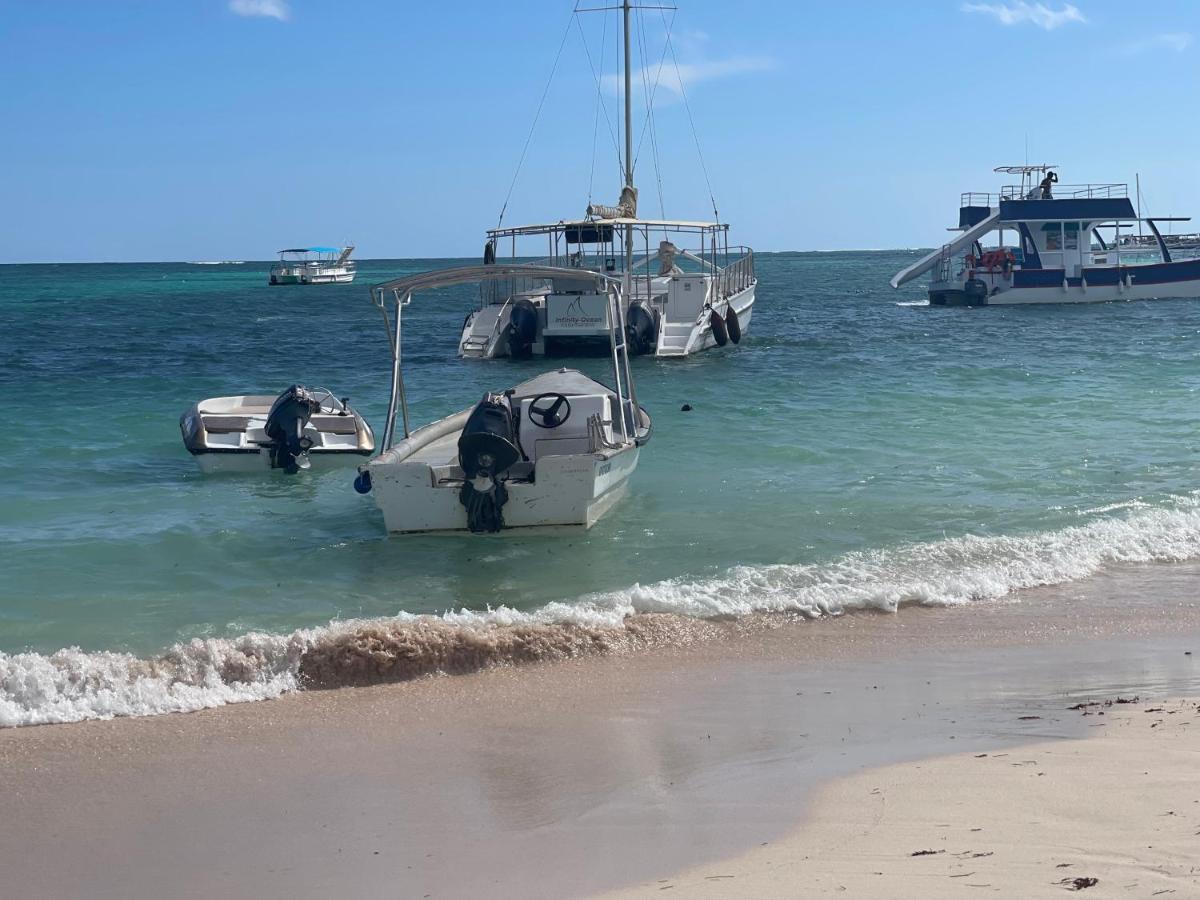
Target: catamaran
314, 265
1051, 247
685, 288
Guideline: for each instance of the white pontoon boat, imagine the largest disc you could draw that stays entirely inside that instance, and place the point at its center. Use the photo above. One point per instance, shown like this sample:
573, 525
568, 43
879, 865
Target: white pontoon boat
553, 451
295, 430
314, 265
685, 288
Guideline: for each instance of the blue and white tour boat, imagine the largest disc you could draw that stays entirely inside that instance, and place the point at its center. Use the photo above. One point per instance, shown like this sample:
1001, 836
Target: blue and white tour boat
1042, 242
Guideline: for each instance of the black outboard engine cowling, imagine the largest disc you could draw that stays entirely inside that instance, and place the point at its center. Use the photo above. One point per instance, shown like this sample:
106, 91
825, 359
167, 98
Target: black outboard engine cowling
522, 328
285, 427
487, 448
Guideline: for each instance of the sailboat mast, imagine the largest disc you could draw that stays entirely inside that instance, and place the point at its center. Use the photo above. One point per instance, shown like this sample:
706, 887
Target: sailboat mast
625, 6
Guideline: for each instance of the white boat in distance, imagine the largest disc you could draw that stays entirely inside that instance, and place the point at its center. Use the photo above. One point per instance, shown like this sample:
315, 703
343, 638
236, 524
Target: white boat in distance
1058, 252
314, 265
554, 451
685, 288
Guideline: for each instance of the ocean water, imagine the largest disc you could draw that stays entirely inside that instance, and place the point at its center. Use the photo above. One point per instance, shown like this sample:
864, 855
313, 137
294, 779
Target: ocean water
857, 450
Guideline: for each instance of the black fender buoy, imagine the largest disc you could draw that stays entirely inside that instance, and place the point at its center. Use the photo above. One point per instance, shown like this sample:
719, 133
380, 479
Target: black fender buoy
720, 332
732, 325
362, 482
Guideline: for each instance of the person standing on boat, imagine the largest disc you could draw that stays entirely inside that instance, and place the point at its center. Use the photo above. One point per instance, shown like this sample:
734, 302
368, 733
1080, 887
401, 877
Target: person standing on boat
1047, 182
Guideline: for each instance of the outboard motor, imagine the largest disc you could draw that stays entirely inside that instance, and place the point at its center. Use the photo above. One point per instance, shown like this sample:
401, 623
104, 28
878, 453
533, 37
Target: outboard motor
975, 292
641, 330
487, 449
285, 427
522, 328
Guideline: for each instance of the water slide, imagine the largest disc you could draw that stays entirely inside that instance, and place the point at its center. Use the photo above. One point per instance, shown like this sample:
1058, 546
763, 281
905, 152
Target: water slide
960, 243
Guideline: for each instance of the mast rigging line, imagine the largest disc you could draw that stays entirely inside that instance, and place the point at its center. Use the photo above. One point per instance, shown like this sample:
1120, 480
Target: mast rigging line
649, 124
692, 122
599, 89
537, 115
599, 102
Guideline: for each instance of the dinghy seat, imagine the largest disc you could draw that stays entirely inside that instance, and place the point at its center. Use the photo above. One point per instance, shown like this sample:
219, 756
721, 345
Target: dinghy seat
334, 424
225, 424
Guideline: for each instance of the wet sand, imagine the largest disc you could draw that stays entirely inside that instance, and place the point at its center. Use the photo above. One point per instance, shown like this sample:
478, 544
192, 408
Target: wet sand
1118, 811
575, 777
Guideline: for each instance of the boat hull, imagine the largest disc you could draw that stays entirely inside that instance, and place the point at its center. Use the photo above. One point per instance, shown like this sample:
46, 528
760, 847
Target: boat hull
570, 491
1075, 290
215, 462
332, 278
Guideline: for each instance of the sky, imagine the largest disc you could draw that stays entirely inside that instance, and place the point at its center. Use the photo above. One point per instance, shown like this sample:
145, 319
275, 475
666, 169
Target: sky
227, 129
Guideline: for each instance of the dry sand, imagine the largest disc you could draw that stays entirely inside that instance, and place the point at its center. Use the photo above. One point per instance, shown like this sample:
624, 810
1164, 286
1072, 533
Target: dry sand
1116, 814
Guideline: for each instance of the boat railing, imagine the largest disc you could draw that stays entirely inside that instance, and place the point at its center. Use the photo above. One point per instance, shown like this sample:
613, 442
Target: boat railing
944, 267
737, 276
1066, 192
974, 198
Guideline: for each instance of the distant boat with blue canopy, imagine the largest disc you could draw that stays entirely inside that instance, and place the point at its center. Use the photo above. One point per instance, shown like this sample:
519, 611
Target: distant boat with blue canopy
1078, 243
314, 265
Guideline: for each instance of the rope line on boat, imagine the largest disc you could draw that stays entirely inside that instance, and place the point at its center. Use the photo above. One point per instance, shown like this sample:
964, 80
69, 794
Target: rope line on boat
650, 93
537, 115
596, 75
691, 120
596, 112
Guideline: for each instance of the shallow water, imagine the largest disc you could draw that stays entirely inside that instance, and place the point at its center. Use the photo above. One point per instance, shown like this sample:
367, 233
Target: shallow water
856, 450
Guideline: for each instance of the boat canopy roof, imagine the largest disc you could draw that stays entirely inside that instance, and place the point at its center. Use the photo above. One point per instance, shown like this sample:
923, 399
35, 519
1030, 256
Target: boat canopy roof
312, 250
1024, 170
437, 278
665, 224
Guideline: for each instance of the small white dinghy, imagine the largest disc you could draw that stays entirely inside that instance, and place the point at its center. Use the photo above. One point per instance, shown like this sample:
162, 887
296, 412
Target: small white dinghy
554, 451
295, 430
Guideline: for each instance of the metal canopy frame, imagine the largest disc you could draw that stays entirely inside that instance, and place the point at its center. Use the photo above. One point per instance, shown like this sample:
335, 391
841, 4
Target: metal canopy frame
403, 289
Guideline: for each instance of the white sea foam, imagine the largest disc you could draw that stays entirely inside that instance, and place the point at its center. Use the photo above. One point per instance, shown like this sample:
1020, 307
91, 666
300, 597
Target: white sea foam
71, 684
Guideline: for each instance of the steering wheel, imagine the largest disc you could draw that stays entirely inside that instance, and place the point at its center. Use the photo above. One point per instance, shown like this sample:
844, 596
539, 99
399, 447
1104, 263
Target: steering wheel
549, 414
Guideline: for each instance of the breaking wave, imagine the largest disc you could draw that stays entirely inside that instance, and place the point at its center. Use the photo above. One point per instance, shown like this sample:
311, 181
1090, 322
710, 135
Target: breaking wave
72, 685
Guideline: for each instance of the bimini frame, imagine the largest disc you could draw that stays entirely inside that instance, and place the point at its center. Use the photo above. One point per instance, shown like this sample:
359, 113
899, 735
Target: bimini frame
403, 289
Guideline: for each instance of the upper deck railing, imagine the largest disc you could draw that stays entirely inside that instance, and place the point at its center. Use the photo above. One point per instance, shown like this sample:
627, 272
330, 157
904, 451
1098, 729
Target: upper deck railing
1066, 192
1058, 192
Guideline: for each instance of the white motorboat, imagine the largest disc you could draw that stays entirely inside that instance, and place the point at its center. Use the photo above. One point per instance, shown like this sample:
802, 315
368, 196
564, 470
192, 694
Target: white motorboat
677, 301
554, 451
314, 265
298, 429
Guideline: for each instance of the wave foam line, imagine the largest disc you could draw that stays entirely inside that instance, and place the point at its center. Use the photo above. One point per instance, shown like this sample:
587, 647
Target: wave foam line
72, 685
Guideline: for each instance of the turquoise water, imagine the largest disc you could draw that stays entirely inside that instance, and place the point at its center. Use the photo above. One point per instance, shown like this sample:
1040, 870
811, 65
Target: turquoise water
855, 450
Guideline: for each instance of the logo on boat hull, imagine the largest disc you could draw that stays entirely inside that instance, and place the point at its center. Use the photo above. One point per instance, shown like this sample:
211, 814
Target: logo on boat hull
582, 312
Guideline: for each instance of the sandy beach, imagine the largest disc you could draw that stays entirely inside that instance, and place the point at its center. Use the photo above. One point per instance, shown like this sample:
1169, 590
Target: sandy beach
1117, 811
603, 773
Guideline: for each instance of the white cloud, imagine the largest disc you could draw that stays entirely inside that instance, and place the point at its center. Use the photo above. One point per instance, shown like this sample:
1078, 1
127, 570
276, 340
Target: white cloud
1021, 12
266, 9
691, 73
1173, 40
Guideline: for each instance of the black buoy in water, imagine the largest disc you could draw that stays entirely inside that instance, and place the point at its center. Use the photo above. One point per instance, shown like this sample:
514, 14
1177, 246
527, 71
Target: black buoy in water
687, 407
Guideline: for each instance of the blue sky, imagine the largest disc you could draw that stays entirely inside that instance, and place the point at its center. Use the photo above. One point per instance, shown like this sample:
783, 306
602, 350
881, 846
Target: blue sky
225, 129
